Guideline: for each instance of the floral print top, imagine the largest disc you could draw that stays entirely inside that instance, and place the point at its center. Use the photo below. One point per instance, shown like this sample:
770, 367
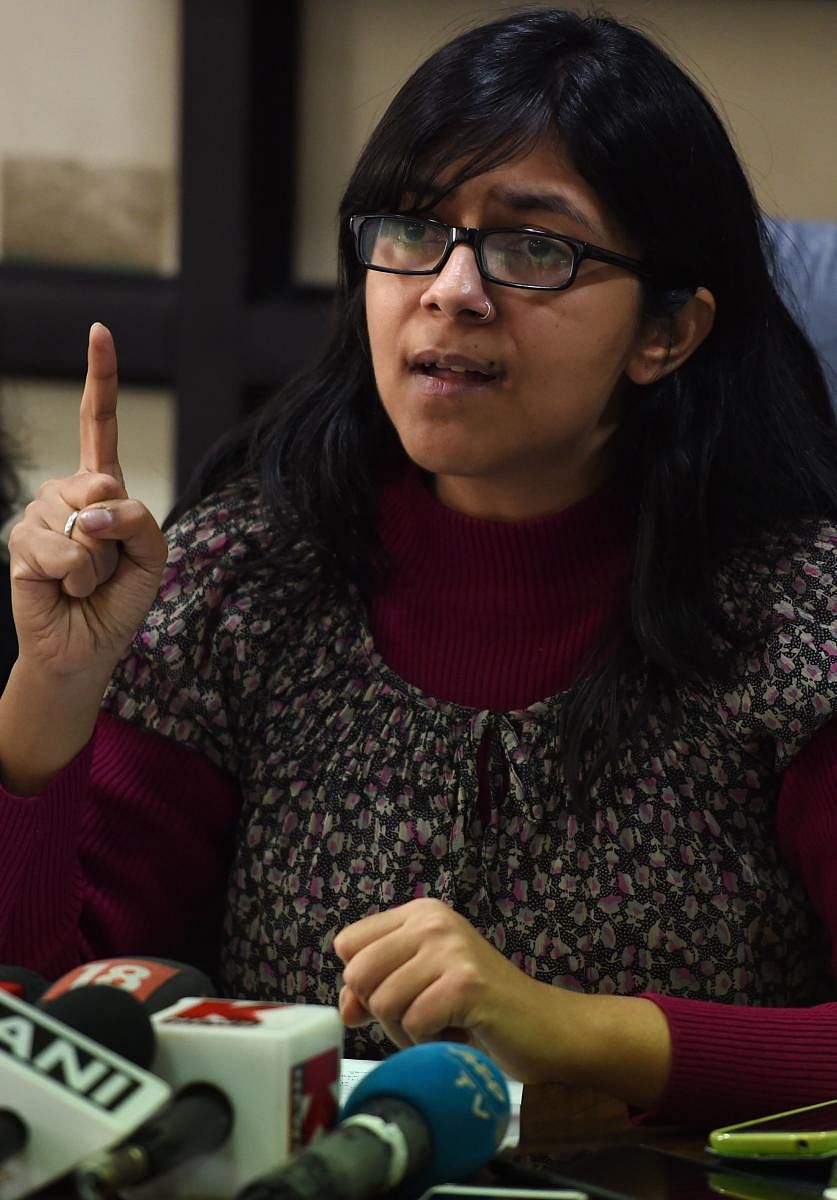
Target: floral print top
359, 791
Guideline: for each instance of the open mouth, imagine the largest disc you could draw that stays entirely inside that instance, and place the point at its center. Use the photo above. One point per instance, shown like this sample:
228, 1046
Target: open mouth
444, 370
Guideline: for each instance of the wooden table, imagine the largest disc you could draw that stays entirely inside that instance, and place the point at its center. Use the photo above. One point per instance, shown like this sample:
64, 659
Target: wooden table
570, 1130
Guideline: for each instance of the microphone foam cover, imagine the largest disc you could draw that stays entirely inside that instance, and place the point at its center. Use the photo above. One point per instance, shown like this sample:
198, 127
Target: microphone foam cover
184, 980
109, 1016
461, 1094
156, 983
25, 984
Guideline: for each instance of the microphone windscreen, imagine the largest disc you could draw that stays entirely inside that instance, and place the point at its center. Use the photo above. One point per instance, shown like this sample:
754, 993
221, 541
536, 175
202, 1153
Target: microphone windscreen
461, 1094
108, 1016
156, 983
25, 984
184, 980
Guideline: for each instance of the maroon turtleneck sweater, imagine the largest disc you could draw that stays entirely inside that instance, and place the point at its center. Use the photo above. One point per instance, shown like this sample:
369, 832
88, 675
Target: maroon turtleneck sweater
496, 615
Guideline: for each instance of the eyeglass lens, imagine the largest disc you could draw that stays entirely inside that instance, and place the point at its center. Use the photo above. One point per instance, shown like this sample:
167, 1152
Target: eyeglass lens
407, 244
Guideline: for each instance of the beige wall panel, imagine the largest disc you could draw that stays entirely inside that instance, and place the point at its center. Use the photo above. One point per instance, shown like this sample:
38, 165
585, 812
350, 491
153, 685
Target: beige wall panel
92, 85
43, 418
89, 118
96, 78
770, 66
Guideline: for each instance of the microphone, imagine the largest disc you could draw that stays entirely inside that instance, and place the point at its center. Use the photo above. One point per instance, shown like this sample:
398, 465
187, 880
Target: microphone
254, 1082
70, 1069
434, 1112
199, 1119
28, 986
156, 983
24, 984
18, 981
117, 1022
153, 982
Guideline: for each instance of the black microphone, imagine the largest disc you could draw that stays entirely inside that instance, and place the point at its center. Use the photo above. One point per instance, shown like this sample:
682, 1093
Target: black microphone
156, 983
198, 1120
20, 982
436, 1111
114, 1020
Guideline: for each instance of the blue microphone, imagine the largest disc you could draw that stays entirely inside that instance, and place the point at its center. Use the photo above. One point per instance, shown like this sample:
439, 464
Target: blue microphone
432, 1113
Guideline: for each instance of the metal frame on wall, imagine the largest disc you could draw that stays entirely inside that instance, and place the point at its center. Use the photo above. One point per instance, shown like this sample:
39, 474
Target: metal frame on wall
232, 325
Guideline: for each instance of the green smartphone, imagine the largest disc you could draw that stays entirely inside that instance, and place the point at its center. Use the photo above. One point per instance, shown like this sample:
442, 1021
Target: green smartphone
459, 1191
809, 1132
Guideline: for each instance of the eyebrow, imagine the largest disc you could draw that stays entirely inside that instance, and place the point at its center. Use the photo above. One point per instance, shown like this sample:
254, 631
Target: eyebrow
551, 202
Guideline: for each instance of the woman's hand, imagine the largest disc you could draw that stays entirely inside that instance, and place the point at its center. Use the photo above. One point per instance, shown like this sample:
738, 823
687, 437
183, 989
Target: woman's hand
78, 599
79, 592
424, 973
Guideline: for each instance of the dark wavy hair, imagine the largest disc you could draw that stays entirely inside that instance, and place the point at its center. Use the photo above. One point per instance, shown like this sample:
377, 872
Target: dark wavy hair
739, 439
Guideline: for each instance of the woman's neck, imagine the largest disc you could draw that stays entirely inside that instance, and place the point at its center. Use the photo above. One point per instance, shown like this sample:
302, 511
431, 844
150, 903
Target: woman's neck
511, 497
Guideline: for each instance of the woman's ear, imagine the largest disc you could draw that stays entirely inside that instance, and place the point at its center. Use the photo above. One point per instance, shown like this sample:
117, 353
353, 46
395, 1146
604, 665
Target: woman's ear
666, 342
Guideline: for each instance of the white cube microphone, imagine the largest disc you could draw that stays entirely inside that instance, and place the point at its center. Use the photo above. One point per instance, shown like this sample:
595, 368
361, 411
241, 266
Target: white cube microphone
276, 1068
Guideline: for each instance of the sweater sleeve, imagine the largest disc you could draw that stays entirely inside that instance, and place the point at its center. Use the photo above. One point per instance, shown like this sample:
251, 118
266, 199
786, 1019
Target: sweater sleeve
733, 1062
128, 849
125, 852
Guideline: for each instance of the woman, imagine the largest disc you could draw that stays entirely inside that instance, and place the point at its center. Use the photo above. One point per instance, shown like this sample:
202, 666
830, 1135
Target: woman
497, 656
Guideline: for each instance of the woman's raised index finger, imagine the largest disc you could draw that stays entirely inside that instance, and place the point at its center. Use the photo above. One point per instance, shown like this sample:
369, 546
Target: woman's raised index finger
97, 419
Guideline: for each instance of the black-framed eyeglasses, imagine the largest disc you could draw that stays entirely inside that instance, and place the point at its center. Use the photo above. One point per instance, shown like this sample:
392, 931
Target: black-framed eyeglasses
403, 244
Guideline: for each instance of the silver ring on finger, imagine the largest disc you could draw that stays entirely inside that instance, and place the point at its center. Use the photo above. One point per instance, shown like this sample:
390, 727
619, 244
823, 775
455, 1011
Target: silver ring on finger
69, 524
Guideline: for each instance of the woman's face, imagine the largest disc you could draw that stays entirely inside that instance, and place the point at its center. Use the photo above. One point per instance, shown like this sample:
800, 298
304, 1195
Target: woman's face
525, 430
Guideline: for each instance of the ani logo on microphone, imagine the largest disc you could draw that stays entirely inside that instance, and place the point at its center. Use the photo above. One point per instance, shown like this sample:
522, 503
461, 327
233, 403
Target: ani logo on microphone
31, 1040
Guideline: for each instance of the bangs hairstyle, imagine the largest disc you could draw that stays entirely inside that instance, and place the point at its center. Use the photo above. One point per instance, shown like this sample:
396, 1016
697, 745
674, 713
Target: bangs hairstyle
627, 117
738, 440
